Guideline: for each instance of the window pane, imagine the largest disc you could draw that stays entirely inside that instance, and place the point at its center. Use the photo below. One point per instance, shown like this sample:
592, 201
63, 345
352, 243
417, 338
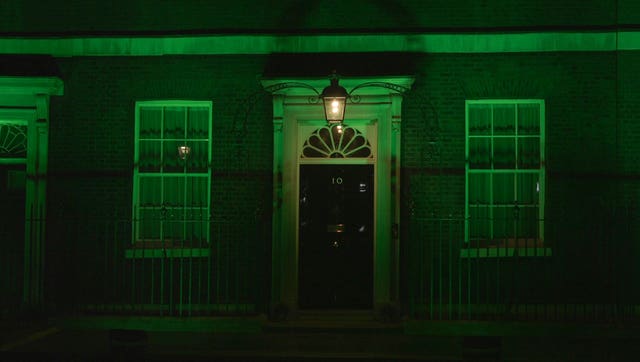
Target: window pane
13, 140
529, 153
479, 188
197, 123
172, 161
173, 228
504, 119
504, 153
199, 158
528, 189
479, 119
479, 223
149, 156
503, 189
150, 194
196, 226
197, 193
174, 191
150, 121
149, 224
503, 222
528, 119
174, 121
527, 223
480, 153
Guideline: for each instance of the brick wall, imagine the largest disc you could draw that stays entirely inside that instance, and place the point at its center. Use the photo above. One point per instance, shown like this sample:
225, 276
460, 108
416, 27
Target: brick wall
91, 167
579, 90
591, 161
628, 152
591, 134
92, 140
245, 15
628, 12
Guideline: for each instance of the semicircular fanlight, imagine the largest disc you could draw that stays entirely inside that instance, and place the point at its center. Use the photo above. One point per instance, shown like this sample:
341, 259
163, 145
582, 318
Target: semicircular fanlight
13, 140
336, 141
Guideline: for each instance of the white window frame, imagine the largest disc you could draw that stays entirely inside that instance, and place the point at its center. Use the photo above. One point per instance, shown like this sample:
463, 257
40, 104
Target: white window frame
491, 205
139, 174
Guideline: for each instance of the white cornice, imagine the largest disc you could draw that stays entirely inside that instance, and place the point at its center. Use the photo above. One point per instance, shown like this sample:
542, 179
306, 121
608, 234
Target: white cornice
267, 44
31, 86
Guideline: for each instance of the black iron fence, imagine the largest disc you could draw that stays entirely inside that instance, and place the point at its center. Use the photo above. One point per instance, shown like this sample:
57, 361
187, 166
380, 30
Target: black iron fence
571, 270
108, 266
576, 269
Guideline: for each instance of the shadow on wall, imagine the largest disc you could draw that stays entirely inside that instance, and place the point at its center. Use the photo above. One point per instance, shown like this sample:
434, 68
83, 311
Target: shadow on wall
334, 15
28, 66
321, 65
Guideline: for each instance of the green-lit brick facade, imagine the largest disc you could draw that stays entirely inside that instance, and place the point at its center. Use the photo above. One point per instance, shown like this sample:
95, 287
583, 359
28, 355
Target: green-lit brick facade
290, 15
95, 188
592, 142
590, 164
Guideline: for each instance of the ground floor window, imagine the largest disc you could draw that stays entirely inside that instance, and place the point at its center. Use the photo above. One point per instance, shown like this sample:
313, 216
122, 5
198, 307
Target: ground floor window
505, 176
172, 173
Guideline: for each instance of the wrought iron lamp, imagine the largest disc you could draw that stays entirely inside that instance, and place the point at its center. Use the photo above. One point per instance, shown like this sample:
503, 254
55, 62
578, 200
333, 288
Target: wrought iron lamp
334, 98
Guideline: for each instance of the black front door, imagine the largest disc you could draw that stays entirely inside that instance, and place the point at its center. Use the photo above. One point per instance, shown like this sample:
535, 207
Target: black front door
336, 236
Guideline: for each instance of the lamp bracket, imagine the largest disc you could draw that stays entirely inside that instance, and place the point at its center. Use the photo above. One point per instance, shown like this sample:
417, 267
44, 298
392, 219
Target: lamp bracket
391, 86
286, 85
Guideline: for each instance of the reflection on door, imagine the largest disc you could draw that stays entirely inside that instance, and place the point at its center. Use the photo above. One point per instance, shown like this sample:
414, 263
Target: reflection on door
12, 200
336, 236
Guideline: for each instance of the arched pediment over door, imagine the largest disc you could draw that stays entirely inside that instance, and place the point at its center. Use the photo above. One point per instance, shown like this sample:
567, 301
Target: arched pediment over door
370, 136
336, 141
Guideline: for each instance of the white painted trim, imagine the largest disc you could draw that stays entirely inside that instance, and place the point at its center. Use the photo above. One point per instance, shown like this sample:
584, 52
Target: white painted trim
31, 85
292, 114
27, 100
629, 40
346, 43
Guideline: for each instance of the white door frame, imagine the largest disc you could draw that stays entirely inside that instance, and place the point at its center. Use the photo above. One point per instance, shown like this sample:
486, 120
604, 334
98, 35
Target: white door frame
381, 107
26, 99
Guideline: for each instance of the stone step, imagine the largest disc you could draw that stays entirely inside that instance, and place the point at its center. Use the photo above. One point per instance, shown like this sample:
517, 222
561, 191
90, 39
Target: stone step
333, 321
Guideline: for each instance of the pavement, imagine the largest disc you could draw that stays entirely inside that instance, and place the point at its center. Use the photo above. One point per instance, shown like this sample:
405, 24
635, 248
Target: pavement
88, 338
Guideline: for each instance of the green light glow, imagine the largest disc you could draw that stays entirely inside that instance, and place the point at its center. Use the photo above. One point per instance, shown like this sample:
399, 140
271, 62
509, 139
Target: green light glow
268, 44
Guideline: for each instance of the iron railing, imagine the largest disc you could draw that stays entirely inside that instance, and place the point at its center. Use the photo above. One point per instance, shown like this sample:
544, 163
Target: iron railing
98, 266
577, 270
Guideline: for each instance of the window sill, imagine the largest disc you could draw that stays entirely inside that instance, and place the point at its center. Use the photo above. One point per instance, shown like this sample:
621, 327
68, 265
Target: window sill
505, 252
140, 253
